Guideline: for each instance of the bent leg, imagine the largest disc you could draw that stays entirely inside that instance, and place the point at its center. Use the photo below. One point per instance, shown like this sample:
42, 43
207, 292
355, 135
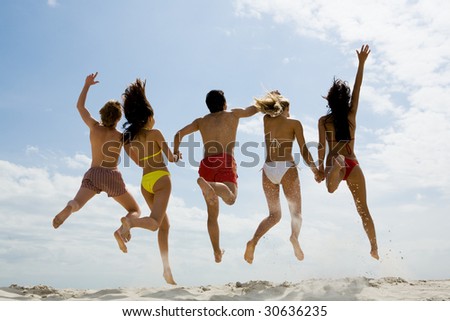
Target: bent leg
291, 189
81, 198
272, 193
157, 203
129, 203
335, 174
209, 194
227, 191
357, 185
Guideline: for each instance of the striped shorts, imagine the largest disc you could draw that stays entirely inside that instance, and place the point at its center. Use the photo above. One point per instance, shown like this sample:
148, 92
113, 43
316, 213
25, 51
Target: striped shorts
101, 179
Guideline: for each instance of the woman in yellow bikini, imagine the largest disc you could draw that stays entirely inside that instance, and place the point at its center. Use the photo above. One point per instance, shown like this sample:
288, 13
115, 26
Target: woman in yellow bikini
145, 146
338, 129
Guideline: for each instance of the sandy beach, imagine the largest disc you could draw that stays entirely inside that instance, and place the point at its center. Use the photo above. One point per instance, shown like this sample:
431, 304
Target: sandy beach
346, 289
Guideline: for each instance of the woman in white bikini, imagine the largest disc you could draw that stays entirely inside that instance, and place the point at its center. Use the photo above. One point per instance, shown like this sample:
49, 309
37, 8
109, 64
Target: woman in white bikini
279, 169
338, 129
145, 146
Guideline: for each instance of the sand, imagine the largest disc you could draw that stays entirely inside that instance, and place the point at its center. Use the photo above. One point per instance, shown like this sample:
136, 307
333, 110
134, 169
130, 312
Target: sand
346, 289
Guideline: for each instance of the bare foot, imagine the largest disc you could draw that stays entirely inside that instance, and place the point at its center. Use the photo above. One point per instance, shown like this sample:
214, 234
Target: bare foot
297, 249
125, 235
249, 252
218, 256
374, 254
120, 241
168, 277
125, 225
208, 192
62, 216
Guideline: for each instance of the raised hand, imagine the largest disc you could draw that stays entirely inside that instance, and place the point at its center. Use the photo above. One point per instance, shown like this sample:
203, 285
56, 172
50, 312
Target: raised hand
90, 79
362, 55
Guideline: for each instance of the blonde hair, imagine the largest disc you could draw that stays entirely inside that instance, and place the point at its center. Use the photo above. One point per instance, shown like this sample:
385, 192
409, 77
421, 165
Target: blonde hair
111, 113
272, 104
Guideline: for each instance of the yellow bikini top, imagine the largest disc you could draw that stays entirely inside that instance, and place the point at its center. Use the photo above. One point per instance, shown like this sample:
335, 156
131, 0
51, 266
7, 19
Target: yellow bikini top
148, 157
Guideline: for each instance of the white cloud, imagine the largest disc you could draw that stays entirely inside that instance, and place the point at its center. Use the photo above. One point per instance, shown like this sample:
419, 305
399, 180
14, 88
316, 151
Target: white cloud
380, 100
52, 3
31, 150
84, 248
79, 161
410, 45
253, 125
227, 32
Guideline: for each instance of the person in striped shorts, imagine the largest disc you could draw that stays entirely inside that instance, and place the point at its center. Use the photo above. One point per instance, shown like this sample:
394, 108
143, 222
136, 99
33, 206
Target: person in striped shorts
103, 175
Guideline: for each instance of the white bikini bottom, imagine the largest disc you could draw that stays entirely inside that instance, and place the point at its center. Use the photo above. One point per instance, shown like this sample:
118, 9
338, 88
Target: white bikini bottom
276, 170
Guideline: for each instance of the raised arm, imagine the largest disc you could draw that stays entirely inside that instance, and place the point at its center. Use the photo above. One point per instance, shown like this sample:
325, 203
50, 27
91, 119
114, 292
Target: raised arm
189, 129
362, 56
244, 112
84, 113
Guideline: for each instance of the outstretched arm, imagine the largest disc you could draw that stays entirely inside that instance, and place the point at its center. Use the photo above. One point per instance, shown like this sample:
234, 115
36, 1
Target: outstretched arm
160, 140
305, 152
84, 113
322, 144
189, 129
244, 112
362, 56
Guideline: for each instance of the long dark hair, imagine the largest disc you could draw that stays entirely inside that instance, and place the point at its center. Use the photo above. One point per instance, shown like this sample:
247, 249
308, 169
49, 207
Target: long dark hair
136, 108
339, 106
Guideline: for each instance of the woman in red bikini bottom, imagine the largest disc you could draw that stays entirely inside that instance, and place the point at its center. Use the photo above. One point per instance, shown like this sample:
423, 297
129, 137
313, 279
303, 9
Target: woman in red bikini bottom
337, 128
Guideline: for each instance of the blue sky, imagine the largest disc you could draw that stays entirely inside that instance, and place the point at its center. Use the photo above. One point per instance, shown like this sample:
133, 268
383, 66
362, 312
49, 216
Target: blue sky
244, 47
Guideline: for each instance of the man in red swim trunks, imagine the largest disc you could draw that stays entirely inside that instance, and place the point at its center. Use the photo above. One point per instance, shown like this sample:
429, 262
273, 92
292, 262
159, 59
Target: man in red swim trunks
218, 175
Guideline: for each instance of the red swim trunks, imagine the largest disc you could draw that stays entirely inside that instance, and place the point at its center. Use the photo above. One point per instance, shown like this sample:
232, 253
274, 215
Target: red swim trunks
218, 168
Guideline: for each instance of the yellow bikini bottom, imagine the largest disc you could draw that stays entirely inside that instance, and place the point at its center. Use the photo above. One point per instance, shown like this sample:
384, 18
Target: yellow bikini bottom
149, 180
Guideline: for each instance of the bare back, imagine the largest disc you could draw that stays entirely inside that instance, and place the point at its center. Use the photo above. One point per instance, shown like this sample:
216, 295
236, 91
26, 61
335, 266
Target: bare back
218, 132
280, 133
106, 144
146, 150
344, 148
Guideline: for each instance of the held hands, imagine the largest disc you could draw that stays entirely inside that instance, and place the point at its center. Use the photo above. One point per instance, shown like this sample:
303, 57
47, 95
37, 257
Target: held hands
177, 156
319, 176
90, 79
363, 53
